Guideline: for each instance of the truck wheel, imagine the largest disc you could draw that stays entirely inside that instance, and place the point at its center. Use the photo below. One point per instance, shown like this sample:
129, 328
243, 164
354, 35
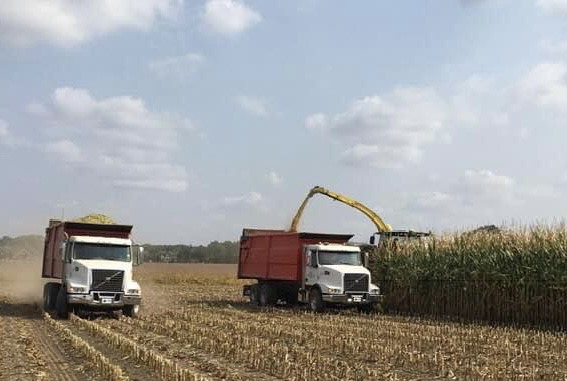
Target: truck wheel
61, 306
316, 300
365, 308
132, 311
50, 291
46, 297
266, 297
291, 298
254, 295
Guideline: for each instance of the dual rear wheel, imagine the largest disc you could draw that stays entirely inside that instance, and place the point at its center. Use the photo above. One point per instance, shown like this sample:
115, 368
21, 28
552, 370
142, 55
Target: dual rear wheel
265, 294
55, 298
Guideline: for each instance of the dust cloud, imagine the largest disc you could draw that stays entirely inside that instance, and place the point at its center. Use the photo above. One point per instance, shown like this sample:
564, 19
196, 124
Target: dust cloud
21, 281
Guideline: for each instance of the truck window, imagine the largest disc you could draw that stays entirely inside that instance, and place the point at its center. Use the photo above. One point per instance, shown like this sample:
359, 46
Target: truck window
313, 256
101, 251
339, 258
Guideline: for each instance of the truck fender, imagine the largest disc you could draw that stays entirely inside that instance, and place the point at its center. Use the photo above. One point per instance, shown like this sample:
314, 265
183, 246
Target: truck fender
316, 285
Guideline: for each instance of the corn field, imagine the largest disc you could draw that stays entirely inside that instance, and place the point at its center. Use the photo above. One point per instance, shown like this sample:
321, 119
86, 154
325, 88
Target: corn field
517, 277
199, 327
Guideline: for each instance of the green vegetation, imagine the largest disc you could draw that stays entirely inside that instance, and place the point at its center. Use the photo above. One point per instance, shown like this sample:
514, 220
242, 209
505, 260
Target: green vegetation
214, 252
504, 276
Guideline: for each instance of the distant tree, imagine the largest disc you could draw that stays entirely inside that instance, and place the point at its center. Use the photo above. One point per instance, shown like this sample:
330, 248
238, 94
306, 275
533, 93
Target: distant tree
214, 252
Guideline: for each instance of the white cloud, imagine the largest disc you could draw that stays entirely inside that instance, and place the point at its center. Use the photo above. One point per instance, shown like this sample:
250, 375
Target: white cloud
37, 109
65, 150
70, 22
466, 104
253, 105
251, 199
545, 85
554, 47
317, 121
484, 190
478, 196
430, 201
553, 6
116, 139
485, 184
229, 17
3, 129
468, 3
394, 129
9, 139
389, 130
524, 133
274, 178
178, 66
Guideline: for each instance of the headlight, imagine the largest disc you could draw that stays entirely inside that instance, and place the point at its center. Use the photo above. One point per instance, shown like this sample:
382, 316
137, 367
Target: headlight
76, 290
333, 290
133, 291
375, 290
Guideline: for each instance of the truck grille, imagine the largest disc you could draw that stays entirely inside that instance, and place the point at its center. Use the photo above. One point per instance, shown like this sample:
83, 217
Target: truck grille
356, 282
107, 280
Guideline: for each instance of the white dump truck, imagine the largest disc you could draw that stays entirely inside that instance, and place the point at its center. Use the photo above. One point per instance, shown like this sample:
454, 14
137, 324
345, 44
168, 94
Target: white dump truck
90, 268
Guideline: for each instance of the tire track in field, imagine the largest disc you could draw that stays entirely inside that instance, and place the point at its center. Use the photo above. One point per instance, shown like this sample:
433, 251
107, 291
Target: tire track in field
42, 356
56, 361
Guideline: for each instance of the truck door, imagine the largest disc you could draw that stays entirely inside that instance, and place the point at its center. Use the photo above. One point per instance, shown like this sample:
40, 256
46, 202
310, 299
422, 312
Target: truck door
311, 268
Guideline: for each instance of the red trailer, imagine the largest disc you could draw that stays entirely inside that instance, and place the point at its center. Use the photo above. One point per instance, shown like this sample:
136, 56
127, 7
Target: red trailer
278, 254
293, 266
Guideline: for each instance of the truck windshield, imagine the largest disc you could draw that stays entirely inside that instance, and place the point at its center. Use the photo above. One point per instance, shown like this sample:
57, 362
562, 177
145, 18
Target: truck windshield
101, 251
339, 258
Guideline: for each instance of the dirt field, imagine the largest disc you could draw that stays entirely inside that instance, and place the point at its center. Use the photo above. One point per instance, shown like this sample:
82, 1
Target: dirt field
196, 326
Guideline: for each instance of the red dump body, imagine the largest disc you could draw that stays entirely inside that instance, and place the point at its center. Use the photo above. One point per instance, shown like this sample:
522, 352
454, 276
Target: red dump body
58, 231
277, 254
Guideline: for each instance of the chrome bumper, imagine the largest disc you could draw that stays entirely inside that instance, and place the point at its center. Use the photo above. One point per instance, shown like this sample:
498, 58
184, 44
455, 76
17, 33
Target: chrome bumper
353, 298
104, 299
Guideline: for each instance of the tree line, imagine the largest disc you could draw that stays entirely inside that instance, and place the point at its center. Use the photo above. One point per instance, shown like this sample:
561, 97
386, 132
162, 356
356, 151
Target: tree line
31, 246
214, 252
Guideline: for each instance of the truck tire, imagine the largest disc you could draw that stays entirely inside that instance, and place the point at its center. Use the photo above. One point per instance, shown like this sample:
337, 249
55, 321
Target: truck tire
254, 295
61, 306
365, 308
316, 303
50, 291
292, 297
266, 295
132, 311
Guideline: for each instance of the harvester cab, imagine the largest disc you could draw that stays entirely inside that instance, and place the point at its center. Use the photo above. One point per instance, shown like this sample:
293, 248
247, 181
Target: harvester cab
398, 238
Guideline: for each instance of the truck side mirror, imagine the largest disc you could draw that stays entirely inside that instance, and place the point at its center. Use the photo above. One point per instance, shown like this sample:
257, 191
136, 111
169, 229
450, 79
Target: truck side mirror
138, 257
62, 252
314, 260
372, 240
365, 259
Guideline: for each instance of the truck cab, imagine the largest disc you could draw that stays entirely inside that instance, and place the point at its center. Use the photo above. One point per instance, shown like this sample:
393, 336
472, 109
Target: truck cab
335, 274
98, 273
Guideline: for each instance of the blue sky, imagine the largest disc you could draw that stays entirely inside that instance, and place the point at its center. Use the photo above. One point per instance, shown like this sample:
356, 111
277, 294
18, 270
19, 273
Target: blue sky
194, 119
